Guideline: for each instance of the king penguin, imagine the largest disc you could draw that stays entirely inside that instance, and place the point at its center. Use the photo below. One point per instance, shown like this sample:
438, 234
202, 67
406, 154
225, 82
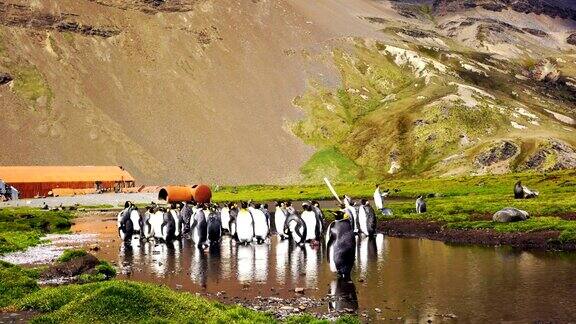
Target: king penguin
366, 218
233, 211
199, 228
168, 227
312, 224
280, 219
125, 223
147, 231
225, 218
350, 207
295, 227
214, 226
261, 228
341, 245
244, 224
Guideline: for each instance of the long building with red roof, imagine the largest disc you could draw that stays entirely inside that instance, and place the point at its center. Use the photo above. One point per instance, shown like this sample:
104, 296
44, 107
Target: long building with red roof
39, 181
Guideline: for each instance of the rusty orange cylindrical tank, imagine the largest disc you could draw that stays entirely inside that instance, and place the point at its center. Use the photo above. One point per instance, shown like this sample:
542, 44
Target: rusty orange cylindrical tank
199, 193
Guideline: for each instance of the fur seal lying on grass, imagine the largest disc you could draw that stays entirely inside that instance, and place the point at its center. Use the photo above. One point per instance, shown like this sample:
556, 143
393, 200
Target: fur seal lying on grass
510, 214
523, 192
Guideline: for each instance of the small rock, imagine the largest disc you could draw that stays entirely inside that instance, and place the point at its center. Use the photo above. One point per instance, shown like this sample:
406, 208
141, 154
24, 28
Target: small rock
299, 290
5, 78
178, 287
377, 310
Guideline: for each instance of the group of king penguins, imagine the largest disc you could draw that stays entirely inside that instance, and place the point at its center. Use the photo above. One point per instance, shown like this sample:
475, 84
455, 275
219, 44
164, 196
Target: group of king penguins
249, 223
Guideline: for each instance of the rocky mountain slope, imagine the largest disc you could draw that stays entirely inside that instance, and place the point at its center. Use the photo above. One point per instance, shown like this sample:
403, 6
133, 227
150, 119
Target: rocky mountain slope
256, 91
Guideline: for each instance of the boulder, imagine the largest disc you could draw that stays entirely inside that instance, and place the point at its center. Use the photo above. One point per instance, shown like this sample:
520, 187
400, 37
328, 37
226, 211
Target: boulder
500, 152
510, 214
5, 78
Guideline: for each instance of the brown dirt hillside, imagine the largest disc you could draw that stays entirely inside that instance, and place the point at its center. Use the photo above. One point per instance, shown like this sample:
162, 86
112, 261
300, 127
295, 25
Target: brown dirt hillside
182, 92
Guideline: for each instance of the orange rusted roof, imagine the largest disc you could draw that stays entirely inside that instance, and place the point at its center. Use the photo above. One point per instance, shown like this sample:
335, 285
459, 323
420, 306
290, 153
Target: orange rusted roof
44, 174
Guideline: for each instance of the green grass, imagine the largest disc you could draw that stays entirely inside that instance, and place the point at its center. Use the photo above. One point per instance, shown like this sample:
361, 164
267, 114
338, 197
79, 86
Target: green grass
24, 227
30, 84
131, 302
459, 202
331, 163
71, 254
15, 283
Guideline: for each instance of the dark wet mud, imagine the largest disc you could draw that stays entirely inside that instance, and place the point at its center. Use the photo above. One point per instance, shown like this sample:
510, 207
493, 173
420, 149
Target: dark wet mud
404, 279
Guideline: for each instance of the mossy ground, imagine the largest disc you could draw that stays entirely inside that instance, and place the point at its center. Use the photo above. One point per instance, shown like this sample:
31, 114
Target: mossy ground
460, 202
24, 227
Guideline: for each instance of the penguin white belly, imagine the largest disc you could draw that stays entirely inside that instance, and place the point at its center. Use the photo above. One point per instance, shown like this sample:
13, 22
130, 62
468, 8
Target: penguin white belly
156, 221
378, 202
363, 220
177, 225
195, 235
309, 219
279, 220
225, 217
260, 225
135, 218
244, 227
354, 215
298, 237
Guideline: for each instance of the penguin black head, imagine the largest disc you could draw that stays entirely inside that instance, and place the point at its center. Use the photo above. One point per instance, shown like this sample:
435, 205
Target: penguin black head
342, 206
315, 203
244, 205
377, 185
173, 206
338, 215
265, 206
288, 203
231, 205
277, 204
363, 201
127, 204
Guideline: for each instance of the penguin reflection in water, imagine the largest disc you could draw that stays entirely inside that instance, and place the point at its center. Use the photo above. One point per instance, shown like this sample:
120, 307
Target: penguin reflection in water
343, 296
341, 245
244, 224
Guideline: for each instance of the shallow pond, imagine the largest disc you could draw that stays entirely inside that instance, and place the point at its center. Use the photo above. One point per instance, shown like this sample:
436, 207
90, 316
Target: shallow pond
407, 279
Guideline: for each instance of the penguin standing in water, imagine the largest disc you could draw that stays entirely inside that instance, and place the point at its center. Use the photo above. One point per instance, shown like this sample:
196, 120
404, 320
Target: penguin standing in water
280, 216
199, 228
146, 230
341, 245
225, 218
244, 224
178, 222
233, 212
156, 220
261, 228
168, 227
366, 218
214, 226
185, 216
310, 218
420, 205
125, 223
319, 214
264, 209
350, 208
295, 228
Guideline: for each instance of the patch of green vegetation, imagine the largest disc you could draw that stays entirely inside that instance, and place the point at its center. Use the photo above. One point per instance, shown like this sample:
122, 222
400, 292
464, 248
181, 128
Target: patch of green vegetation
15, 283
71, 254
330, 163
24, 227
30, 84
131, 302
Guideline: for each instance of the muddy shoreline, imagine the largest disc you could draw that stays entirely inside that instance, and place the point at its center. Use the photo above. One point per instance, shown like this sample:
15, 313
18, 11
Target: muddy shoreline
541, 240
